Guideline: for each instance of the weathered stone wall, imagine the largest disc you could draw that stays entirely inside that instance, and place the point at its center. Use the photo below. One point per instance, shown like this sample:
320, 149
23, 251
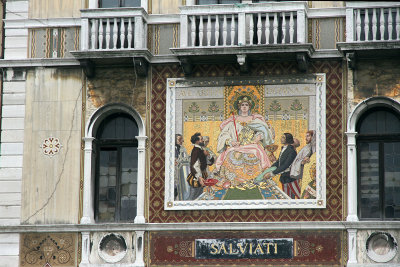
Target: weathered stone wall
116, 85
375, 78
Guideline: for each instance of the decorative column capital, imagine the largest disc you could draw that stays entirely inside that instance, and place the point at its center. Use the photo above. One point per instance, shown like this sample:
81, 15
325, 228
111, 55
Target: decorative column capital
351, 138
88, 142
142, 142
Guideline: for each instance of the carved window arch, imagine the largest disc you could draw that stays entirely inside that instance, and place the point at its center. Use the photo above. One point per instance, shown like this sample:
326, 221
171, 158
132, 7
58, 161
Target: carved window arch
116, 169
115, 135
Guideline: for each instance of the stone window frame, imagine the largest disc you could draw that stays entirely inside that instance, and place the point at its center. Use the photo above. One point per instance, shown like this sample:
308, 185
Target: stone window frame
89, 161
355, 115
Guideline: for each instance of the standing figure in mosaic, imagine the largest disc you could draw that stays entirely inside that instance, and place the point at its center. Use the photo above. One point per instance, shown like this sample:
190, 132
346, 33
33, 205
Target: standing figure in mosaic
242, 144
181, 188
293, 187
198, 166
285, 160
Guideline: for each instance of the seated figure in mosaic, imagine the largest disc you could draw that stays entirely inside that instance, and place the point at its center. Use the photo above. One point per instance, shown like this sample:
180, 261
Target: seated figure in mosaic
242, 143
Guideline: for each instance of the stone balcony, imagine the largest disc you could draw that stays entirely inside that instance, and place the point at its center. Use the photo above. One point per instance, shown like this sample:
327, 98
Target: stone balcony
113, 36
243, 33
372, 30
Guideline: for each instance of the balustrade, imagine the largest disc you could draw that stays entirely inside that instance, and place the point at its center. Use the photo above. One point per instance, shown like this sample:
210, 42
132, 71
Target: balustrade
233, 26
113, 29
373, 22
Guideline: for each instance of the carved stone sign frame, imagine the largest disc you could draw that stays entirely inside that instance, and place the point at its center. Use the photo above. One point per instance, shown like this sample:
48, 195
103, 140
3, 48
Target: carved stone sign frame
289, 102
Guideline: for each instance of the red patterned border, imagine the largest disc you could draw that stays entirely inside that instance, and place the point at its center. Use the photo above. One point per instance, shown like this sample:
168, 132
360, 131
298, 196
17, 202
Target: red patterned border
334, 137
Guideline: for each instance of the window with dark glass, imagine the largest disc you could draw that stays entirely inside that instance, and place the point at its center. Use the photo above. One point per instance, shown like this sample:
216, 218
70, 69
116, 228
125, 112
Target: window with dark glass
378, 146
119, 3
116, 169
216, 2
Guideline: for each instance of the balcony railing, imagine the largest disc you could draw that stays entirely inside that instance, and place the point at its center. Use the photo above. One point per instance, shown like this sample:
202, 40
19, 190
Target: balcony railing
243, 25
113, 29
372, 21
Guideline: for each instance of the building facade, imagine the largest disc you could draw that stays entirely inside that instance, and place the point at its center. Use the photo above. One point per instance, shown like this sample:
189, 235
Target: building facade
193, 132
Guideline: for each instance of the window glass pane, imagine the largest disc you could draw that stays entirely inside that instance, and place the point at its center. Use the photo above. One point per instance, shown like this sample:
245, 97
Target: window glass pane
369, 180
380, 122
119, 127
130, 3
368, 124
107, 185
109, 3
229, 1
207, 2
392, 123
392, 180
128, 185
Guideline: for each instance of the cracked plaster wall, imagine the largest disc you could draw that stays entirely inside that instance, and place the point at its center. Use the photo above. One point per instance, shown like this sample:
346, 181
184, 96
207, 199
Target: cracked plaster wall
50, 186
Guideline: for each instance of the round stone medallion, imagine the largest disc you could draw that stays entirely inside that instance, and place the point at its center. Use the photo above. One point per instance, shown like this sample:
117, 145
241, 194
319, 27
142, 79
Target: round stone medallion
112, 248
381, 247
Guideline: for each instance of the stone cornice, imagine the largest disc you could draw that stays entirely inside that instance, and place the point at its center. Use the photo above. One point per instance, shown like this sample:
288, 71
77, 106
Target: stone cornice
213, 226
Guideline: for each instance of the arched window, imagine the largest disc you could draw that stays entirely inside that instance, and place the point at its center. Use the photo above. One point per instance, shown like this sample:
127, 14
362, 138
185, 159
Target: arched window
116, 169
378, 164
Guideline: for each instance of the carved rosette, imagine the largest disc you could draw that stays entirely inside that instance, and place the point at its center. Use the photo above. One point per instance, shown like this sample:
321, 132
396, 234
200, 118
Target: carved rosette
51, 146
